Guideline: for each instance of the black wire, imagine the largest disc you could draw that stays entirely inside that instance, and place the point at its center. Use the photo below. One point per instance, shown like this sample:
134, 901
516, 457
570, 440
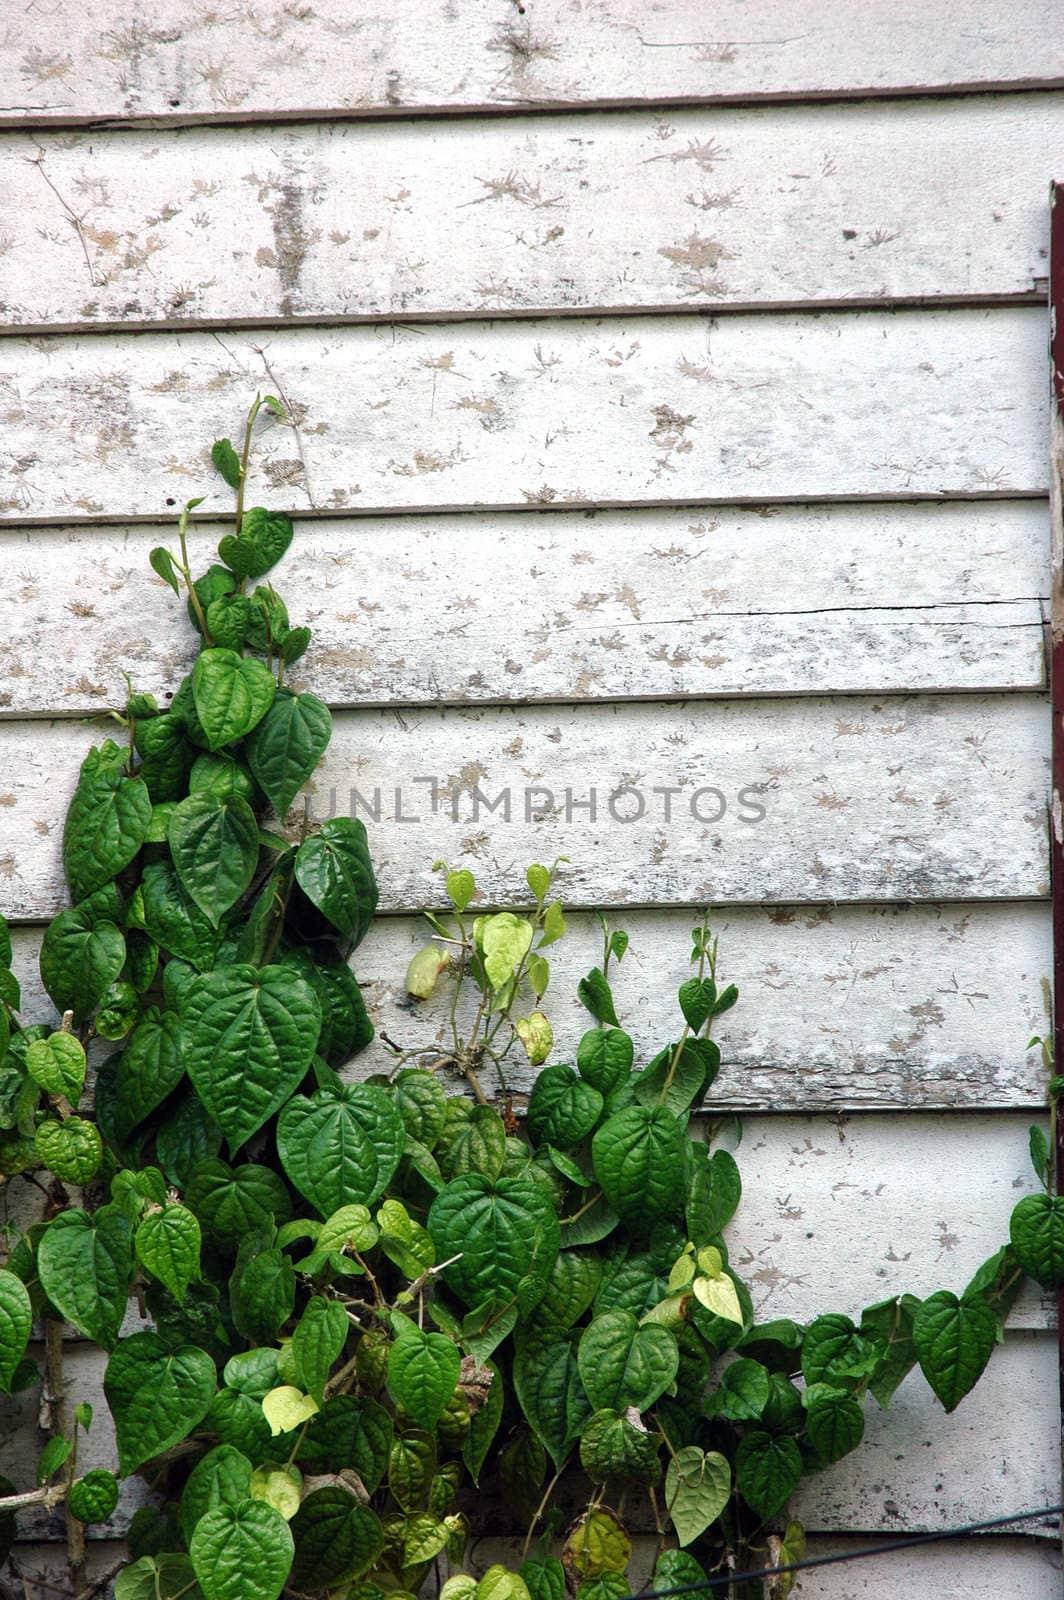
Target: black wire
847, 1555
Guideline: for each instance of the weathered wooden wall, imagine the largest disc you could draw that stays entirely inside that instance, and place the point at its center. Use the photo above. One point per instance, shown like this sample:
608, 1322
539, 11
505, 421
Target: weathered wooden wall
670, 395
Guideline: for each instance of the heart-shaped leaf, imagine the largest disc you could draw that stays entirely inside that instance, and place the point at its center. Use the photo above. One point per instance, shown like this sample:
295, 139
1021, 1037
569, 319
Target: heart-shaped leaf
624, 1364
341, 1149
249, 1038
84, 1264
1036, 1230
232, 694
334, 871
697, 1489
157, 1395
220, 1478
505, 1234
215, 847
287, 745
639, 1156
72, 1149
149, 1068
232, 1203
58, 1065
767, 1471
16, 1320
106, 824
423, 1370
336, 1539
562, 1108
174, 920
168, 1245
549, 1391
318, 1338
604, 1057
242, 1552
81, 956
349, 1432
954, 1340
696, 1001
612, 1446
263, 539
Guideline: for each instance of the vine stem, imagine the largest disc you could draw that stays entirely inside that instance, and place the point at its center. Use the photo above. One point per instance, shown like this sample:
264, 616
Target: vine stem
534, 1524
55, 1398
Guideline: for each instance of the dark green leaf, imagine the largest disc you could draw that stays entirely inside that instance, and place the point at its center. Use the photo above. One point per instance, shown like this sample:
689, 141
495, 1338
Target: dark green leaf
335, 873
16, 1320
505, 1234
563, 1108
317, 1341
639, 1156
1036, 1231
349, 1432
422, 1373
604, 1057
249, 1037
168, 1246
149, 1068
834, 1422
157, 1395
287, 745
767, 1471
232, 1203
220, 1478
232, 694
713, 1193
263, 539
336, 1539
174, 920
81, 956
341, 1149
624, 1364
596, 995
106, 825
242, 1552
954, 1340
215, 846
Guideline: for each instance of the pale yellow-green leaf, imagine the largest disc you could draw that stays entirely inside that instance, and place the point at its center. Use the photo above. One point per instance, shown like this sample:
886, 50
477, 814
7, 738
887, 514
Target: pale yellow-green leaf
280, 1487
287, 1408
719, 1296
683, 1270
710, 1261
506, 939
537, 1036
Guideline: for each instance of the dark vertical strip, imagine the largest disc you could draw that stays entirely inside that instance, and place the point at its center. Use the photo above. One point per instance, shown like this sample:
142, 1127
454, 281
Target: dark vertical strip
1056, 678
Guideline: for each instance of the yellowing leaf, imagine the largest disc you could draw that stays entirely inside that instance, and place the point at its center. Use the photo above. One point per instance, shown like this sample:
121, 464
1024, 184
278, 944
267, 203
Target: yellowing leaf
280, 1487
287, 1408
718, 1295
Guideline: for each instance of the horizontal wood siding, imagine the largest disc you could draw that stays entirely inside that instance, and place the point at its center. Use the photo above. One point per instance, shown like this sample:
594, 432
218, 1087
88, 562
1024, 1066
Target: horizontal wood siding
651, 604
659, 427
695, 209
500, 415
395, 56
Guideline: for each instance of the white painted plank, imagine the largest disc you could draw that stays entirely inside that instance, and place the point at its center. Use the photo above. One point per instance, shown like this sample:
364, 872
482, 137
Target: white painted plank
842, 1008
998, 1453
776, 205
917, 799
837, 1215
128, 58
668, 409
633, 605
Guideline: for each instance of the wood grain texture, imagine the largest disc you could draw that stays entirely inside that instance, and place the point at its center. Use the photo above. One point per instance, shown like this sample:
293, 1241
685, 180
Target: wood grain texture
841, 1009
624, 212
127, 58
892, 799
562, 605
621, 411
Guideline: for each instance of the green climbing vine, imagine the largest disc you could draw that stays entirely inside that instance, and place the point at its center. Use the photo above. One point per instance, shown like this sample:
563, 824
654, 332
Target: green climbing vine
335, 1308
